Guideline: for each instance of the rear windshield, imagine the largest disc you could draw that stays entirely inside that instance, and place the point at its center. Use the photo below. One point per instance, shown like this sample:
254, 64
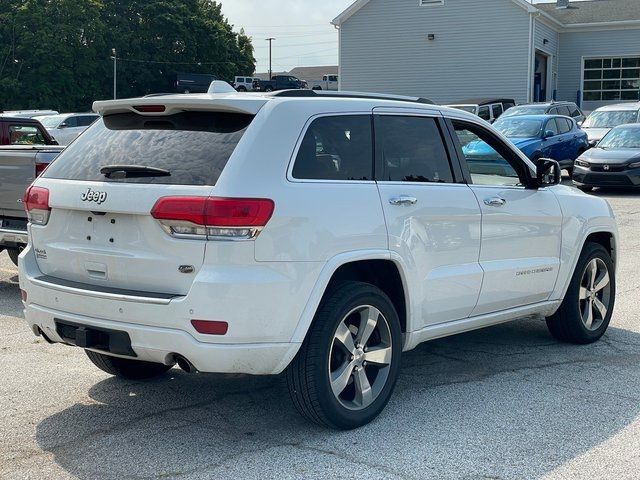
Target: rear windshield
193, 147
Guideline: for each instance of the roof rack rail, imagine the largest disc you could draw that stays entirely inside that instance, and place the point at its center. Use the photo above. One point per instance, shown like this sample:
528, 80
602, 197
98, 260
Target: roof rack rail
364, 95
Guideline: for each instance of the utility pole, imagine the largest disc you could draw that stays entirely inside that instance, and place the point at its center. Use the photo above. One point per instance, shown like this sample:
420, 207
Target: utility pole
270, 40
115, 72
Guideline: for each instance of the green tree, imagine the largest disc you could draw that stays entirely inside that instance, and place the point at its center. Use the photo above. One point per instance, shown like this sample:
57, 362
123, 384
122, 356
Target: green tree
56, 54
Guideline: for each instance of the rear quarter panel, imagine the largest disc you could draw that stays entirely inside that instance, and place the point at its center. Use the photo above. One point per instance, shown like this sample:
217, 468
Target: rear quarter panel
312, 221
583, 215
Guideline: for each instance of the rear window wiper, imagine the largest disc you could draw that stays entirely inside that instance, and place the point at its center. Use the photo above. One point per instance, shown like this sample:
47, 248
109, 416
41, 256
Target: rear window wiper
133, 171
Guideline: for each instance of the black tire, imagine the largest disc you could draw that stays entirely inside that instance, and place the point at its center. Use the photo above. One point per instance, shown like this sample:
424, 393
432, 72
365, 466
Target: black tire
569, 171
186, 90
13, 255
268, 89
308, 375
567, 323
125, 368
242, 89
585, 188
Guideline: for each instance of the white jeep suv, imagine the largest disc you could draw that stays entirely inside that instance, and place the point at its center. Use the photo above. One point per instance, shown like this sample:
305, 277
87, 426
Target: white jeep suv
316, 234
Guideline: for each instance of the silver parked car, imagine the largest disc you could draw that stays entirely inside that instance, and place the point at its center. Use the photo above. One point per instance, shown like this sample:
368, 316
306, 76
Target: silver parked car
66, 127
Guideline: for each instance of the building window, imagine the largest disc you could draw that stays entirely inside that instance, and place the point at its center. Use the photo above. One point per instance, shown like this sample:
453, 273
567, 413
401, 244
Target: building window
428, 3
611, 79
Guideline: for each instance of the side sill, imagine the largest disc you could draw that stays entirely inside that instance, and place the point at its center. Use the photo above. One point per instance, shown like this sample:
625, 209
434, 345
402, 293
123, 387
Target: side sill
446, 329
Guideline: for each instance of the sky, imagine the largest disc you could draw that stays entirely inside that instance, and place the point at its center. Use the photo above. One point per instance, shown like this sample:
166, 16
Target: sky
301, 28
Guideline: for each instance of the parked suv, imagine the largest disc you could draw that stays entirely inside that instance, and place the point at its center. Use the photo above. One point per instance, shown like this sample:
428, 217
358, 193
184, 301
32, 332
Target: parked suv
66, 127
244, 84
568, 109
194, 82
265, 233
602, 120
489, 109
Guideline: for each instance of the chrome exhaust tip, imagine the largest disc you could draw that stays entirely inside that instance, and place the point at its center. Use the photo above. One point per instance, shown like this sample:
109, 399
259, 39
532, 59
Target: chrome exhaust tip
185, 364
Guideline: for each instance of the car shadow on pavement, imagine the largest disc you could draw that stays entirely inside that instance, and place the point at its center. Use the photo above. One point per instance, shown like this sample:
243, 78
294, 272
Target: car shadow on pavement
507, 401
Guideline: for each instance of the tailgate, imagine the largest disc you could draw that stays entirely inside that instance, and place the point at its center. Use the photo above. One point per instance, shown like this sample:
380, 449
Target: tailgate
115, 242
17, 171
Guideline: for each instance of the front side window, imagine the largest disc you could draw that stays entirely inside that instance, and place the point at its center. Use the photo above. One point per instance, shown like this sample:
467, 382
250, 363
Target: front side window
551, 127
86, 120
25, 135
497, 110
411, 149
487, 158
338, 147
71, 122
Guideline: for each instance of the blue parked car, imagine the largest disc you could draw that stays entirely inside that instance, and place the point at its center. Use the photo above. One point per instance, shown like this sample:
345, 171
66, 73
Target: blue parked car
549, 136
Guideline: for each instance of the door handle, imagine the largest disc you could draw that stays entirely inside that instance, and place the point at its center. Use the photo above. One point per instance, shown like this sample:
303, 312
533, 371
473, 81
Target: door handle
494, 201
403, 200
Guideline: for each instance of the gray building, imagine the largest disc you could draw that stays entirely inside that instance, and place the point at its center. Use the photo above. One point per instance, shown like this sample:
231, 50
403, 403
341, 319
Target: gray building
449, 50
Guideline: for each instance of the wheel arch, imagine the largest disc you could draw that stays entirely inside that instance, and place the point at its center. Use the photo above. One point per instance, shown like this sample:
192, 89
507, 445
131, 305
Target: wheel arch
607, 237
380, 268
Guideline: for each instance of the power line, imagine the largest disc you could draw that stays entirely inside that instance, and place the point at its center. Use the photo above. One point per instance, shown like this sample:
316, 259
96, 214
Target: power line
333, 42
136, 60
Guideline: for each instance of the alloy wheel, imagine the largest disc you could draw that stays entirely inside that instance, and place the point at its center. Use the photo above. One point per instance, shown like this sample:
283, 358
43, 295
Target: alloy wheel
360, 357
595, 294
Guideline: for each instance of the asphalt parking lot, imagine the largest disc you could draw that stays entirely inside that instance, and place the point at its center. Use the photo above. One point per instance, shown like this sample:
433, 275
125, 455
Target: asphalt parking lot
506, 402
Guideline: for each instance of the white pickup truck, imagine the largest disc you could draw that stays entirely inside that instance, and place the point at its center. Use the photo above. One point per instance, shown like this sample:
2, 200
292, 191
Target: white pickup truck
19, 166
328, 82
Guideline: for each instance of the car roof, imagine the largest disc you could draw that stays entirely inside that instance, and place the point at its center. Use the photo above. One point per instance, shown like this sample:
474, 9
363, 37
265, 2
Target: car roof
251, 103
483, 101
635, 126
619, 107
535, 117
9, 118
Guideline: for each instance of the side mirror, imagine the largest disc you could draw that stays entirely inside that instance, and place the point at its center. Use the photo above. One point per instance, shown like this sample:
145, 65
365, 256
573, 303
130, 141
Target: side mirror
63, 125
548, 172
549, 134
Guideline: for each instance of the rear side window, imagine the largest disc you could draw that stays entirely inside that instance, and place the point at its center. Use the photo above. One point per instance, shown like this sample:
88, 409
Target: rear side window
483, 113
564, 110
336, 148
193, 147
411, 149
25, 135
496, 110
564, 125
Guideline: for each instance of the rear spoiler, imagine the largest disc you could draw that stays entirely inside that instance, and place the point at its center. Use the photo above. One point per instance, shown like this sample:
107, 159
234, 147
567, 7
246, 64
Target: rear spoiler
172, 104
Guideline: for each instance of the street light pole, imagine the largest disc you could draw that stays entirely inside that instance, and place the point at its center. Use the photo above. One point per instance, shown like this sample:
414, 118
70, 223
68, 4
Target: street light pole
115, 72
270, 40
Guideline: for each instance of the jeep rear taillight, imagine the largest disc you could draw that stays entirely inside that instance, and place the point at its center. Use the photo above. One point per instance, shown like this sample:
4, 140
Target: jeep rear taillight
213, 218
36, 203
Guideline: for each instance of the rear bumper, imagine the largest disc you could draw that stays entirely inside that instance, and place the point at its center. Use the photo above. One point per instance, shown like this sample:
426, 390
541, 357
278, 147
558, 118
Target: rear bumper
262, 304
626, 178
160, 345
